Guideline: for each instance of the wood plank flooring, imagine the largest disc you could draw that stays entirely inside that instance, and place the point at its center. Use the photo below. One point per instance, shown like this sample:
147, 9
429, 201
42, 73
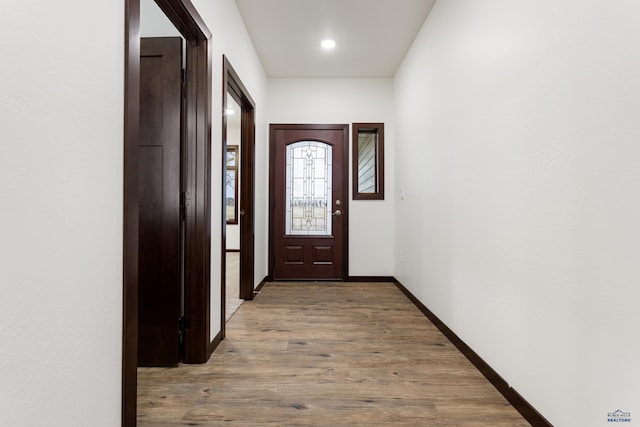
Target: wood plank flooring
326, 354
232, 279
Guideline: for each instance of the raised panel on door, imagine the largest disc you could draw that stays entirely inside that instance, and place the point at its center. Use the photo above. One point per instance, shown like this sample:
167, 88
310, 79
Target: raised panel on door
159, 277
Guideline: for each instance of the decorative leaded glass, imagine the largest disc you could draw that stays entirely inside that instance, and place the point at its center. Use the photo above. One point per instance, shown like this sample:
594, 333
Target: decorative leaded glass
308, 193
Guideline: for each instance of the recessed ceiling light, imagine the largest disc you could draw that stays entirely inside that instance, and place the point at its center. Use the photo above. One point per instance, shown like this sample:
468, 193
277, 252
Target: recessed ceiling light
328, 44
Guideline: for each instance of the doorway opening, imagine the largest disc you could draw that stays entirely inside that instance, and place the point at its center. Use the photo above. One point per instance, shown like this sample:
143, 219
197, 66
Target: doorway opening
233, 196
194, 190
238, 225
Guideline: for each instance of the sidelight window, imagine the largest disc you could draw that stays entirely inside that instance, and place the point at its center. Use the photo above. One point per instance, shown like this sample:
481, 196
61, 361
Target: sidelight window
368, 161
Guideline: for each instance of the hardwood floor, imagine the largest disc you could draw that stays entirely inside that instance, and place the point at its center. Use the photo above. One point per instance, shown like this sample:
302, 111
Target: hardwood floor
326, 354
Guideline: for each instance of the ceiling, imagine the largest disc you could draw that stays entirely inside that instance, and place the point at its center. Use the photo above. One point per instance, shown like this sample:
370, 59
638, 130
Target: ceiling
372, 36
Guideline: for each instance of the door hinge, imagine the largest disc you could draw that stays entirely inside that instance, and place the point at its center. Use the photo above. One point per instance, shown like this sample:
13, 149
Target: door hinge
185, 76
185, 201
183, 325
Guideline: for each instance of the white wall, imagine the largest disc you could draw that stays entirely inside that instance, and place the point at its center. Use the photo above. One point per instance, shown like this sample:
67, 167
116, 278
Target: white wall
154, 23
348, 101
230, 38
61, 168
519, 150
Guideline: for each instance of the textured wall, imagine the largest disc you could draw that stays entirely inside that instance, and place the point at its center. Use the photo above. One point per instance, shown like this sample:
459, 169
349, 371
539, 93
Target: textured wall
518, 149
61, 166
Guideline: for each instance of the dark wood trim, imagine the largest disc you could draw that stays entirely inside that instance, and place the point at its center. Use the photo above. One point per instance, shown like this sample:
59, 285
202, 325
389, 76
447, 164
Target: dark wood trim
198, 212
271, 258
519, 403
345, 183
130, 214
247, 195
379, 165
345, 203
198, 206
185, 18
232, 84
529, 413
261, 284
232, 250
372, 279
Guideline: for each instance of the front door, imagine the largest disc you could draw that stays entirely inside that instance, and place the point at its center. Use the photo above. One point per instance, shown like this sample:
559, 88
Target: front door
159, 165
309, 188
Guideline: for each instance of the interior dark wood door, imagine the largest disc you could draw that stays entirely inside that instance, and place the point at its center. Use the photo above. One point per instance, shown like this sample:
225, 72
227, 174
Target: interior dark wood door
309, 201
159, 161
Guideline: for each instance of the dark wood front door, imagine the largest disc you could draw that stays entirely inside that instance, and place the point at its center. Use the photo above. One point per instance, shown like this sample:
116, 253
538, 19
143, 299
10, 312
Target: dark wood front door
309, 208
159, 166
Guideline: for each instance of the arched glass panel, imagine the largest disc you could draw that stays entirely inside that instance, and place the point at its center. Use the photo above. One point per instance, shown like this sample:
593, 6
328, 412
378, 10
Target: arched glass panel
309, 188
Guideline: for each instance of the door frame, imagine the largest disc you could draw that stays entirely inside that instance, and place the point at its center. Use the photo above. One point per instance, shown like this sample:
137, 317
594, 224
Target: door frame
197, 124
345, 187
232, 84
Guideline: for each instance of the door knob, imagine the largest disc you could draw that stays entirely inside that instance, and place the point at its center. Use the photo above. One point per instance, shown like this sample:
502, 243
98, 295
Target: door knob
338, 212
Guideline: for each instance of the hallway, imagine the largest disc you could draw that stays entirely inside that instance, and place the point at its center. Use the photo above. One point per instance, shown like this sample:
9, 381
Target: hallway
326, 354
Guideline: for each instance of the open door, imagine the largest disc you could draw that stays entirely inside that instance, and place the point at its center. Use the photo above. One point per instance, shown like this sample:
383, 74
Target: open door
159, 166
